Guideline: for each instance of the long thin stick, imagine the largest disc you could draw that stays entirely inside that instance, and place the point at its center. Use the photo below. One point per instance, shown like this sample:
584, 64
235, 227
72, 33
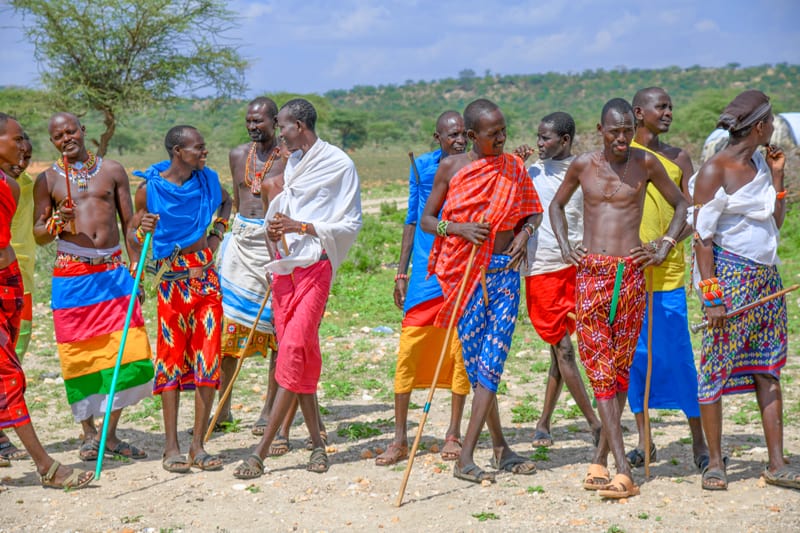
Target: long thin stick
739, 310
131, 306
649, 374
414, 167
445, 346
239, 364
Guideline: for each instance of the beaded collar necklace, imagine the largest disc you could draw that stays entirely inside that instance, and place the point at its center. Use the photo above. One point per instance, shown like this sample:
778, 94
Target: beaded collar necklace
254, 181
80, 173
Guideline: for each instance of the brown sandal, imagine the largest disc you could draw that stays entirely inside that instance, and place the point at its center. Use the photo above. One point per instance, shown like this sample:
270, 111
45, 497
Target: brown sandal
620, 487
454, 451
393, 454
597, 477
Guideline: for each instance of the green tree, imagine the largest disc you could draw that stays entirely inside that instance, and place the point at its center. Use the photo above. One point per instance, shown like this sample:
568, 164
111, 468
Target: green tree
351, 126
118, 56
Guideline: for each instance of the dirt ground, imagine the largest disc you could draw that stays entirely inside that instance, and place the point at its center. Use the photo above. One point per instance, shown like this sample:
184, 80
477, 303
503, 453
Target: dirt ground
357, 495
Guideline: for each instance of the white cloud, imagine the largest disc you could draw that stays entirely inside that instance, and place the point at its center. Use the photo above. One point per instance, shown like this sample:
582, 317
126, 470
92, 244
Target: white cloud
706, 25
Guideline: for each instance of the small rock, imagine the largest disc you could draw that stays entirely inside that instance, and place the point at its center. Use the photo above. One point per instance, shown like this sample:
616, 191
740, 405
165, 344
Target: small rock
434, 448
239, 486
366, 453
486, 483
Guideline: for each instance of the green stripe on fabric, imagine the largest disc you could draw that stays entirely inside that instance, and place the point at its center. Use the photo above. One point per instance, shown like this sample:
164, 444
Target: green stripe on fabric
130, 375
615, 296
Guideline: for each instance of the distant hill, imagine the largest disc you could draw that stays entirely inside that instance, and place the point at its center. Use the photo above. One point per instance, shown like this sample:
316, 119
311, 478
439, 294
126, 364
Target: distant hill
405, 114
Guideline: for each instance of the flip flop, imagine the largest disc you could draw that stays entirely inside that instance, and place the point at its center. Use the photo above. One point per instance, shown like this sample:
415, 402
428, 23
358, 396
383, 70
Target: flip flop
250, 468
176, 464
785, 477
620, 487
76, 480
206, 461
310, 443
635, 457
394, 454
514, 463
259, 427
280, 446
126, 450
716, 474
597, 477
542, 439
10, 452
89, 450
451, 450
473, 474
319, 462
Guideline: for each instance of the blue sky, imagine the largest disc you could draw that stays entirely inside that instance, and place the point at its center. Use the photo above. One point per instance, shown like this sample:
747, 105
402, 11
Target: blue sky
315, 46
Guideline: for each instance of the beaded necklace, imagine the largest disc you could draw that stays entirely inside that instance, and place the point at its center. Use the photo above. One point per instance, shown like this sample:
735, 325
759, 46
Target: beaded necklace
606, 195
254, 182
80, 173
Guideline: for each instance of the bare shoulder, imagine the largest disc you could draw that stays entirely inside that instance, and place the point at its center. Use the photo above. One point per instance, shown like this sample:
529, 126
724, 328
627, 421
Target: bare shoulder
582, 162
713, 170
114, 168
238, 152
449, 166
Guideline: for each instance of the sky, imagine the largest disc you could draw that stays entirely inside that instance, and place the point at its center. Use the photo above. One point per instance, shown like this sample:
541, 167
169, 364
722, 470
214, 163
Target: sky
316, 46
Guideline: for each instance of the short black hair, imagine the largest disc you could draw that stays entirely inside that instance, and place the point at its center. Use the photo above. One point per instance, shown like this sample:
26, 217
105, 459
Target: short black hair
620, 105
643, 95
269, 103
175, 137
563, 123
475, 109
302, 110
4, 118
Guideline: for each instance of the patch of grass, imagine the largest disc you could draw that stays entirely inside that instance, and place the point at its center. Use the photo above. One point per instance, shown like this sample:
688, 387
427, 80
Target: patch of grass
338, 389
524, 411
149, 407
358, 430
569, 413
502, 388
540, 367
674, 461
643, 516
484, 516
538, 489
615, 529
412, 405
131, 519
324, 410
253, 489
740, 418
542, 453
685, 440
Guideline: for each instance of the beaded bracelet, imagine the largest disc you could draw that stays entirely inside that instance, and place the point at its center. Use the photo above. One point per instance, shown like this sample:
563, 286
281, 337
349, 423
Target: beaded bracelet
401, 276
55, 225
223, 221
529, 228
441, 228
216, 233
670, 240
781, 195
138, 235
303, 228
711, 291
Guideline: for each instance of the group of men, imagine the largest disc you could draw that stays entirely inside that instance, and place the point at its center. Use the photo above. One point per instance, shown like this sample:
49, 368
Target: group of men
612, 223
205, 318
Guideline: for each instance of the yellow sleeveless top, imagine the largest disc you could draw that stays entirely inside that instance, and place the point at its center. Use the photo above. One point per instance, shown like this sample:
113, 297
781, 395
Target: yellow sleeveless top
656, 217
22, 231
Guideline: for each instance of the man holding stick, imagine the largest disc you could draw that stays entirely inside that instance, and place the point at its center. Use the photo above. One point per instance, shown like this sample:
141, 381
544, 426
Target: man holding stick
673, 382
739, 207
91, 285
420, 297
177, 202
610, 282
13, 409
315, 220
489, 206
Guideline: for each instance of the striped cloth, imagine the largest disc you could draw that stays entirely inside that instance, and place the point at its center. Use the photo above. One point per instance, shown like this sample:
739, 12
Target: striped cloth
89, 304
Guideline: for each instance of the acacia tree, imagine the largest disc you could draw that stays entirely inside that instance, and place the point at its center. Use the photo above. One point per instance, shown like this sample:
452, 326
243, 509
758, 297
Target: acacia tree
116, 56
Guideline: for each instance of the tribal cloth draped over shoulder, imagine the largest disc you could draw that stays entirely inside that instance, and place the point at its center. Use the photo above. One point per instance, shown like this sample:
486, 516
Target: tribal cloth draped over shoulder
497, 188
185, 210
7, 207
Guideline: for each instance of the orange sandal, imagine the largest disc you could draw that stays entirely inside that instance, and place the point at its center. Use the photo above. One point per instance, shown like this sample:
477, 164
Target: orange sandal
620, 487
596, 478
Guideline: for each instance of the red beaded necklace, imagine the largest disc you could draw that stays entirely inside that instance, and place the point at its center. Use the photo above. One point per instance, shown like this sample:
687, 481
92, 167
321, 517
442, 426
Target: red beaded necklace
254, 182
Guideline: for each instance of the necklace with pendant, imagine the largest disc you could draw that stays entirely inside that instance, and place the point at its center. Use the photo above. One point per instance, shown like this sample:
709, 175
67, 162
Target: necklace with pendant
254, 182
608, 196
80, 172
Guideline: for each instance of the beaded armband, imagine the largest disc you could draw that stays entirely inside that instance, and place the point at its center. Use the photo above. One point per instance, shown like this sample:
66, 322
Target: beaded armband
711, 292
55, 224
138, 235
223, 221
441, 228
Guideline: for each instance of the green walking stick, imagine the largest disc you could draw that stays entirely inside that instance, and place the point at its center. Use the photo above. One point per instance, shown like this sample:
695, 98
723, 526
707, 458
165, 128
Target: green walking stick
110, 402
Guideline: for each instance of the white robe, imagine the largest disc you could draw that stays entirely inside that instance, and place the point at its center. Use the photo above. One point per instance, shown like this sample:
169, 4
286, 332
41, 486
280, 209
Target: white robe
321, 187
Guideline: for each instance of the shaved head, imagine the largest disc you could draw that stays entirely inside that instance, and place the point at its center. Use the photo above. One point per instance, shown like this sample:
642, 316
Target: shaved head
441, 122
268, 103
643, 96
475, 110
63, 116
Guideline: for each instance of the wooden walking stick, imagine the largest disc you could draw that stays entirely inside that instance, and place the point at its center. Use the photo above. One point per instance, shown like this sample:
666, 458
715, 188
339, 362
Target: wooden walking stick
739, 310
414, 167
239, 364
646, 411
445, 346
131, 306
